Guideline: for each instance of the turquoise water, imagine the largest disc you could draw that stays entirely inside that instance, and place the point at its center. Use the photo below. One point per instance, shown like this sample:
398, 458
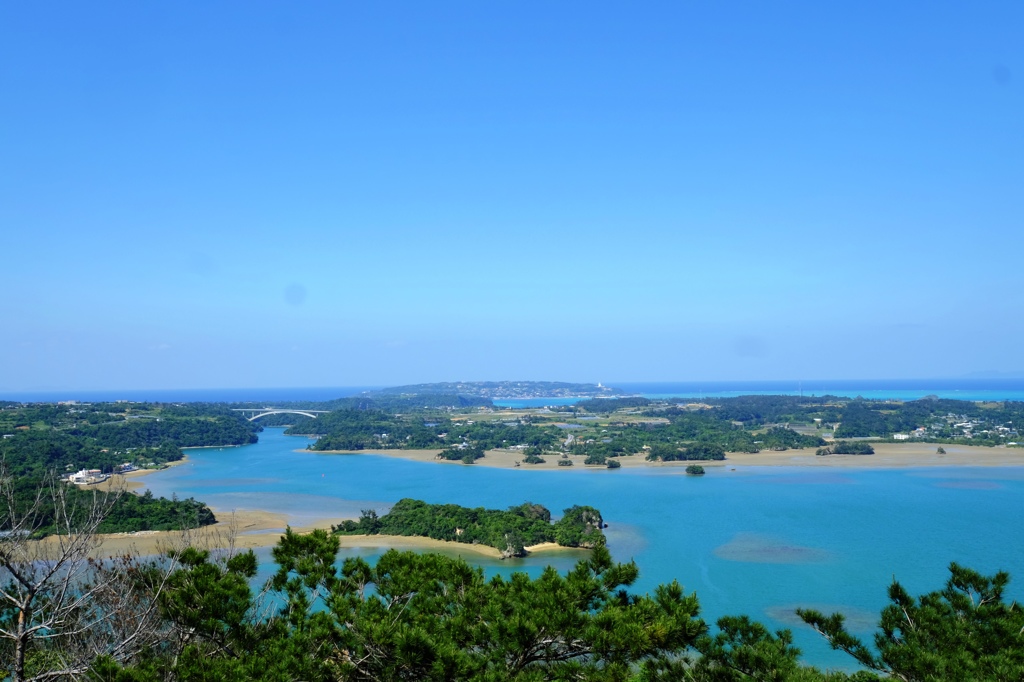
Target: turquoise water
891, 389
756, 540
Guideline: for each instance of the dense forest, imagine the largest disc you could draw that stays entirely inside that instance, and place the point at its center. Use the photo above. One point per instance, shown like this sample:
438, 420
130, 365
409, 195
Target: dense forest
609, 405
185, 432
126, 513
426, 617
845, 447
358, 429
134, 425
350, 429
34, 453
509, 531
934, 419
44, 442
32, 458
602, 429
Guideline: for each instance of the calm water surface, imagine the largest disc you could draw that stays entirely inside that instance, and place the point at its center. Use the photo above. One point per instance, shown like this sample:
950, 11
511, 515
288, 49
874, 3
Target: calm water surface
759, 541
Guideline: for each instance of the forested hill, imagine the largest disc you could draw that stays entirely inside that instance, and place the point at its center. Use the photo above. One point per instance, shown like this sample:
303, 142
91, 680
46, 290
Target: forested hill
509, 531
42, 442
36, 452
134, 425
29, 462
391, 404
930, 418
673, 433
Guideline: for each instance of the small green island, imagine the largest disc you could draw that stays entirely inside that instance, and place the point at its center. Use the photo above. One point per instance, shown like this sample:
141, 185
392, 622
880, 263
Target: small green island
847, 447
511, 531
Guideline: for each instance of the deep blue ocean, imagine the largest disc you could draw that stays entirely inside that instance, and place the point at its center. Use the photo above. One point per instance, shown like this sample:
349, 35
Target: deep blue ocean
898, 389
902, 389
752, 540
189, 395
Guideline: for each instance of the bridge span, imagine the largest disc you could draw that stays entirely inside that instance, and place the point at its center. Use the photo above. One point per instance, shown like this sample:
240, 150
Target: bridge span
257, 412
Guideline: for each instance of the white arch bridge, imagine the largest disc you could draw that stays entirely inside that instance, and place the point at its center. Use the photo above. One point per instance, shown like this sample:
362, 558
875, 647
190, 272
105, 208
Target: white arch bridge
254, 413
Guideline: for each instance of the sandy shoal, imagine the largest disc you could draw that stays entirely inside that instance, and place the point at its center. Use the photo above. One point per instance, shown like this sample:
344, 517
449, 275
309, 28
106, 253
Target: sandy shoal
253, 529
424, 544
242, 529
887, 456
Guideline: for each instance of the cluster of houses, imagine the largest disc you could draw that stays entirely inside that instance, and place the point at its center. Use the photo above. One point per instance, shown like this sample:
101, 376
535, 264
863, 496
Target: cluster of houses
90, 476
960, 426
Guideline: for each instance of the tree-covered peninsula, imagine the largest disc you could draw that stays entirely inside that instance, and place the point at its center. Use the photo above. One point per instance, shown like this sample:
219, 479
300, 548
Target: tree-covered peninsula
44, 443
510, 531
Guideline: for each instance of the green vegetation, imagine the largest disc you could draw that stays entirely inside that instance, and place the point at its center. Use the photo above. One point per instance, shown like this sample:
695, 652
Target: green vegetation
126, 513
510, 531
34, 453
375, 429
697, 451
355, 429
847, 447
695, 470
133, 425
411, 617
48, 441
467, 455
609, 405
606, 428
938, 420
964, 632
183, 432
433, 618
132, 513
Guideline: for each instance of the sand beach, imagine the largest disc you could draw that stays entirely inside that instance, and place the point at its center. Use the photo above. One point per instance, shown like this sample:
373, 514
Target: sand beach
887, 456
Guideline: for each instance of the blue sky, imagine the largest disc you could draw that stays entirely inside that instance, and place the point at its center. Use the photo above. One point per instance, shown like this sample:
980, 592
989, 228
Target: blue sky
200, 195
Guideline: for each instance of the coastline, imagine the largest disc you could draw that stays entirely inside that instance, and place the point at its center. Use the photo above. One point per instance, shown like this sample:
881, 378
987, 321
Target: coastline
887, 456
239, 529
247, 529
128, 481
415, 542
255, 529
251, 529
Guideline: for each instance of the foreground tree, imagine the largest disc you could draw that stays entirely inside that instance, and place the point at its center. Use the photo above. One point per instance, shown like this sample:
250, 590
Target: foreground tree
746, 650
412, 617
61, 605
965, 632
429, 617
